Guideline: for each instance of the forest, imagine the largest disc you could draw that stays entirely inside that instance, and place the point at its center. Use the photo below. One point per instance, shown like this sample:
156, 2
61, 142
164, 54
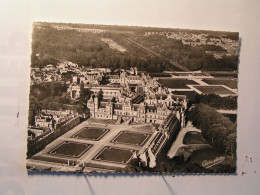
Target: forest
194, 58
87, 49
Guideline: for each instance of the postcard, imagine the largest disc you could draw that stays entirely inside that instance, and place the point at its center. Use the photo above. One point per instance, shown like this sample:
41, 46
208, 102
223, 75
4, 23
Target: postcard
132, 99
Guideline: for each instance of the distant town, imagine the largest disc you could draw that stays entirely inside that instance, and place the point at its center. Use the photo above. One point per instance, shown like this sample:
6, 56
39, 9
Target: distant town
84, 118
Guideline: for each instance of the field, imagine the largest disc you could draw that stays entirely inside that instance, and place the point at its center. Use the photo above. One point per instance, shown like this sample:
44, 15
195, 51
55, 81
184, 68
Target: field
228, 82
71, 149
193, 137
91, 133
117, 155
113, 45
131, 138
176, 83
218, 90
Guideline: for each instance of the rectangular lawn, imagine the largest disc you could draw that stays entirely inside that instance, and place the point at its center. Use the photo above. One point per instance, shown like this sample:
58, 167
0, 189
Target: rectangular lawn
231, 83
71, 149
112, 154
189, 94
218, 90
91, 133
134, 138
177, 83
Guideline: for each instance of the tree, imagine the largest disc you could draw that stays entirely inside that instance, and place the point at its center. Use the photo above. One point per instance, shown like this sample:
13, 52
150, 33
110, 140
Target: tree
134, 166
100, 95
84, 93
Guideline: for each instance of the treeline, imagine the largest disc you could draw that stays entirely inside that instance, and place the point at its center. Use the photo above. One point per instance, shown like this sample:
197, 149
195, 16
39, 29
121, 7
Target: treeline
218, 130
194, 58
142, 29
215, 101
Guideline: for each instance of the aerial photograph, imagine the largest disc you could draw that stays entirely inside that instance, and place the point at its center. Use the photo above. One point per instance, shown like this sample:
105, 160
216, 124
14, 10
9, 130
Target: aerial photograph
132, 99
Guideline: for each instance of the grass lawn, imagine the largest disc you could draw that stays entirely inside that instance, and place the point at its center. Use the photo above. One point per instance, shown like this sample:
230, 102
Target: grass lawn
131, 138
71, 149
117, 155
176, 83
228, 82
193, 137
218, 90
91, 133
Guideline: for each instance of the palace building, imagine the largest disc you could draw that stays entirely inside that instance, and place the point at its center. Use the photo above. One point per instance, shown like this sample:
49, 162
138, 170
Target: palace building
132, 97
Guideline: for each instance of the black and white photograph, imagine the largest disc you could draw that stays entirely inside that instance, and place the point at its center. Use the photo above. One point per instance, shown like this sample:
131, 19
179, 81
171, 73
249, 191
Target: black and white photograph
129, 97
132, 99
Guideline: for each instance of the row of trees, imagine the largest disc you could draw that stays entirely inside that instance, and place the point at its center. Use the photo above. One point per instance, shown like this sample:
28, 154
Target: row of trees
218, 130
